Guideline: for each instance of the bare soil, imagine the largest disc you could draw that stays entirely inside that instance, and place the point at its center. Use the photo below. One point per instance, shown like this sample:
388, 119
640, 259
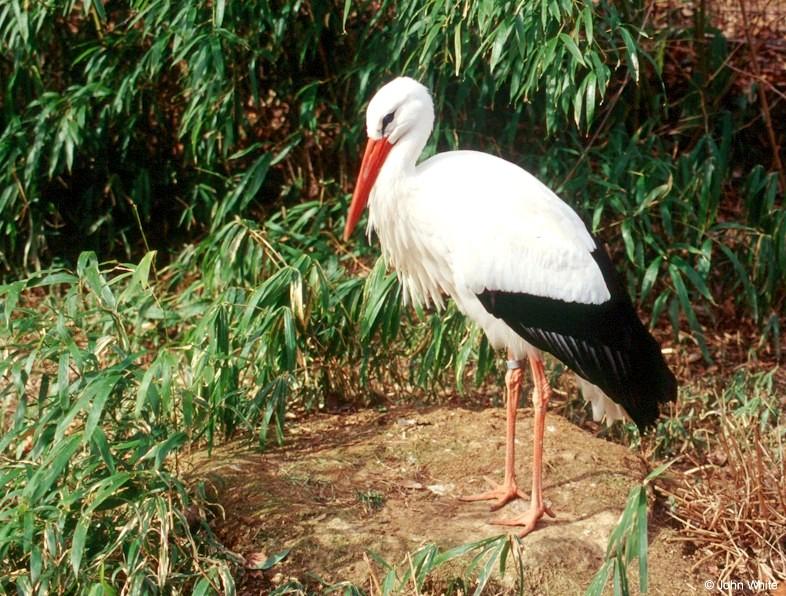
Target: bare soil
346, 485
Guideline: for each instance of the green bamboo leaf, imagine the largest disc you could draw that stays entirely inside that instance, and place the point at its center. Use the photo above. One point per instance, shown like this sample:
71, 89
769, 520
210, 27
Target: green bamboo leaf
376, 291
643, 543
586, 14
274, 396
78, 542
389, 584
498, 46
485, 575
684, 301
36, 563
503, 557
654, 195
599, 580
12, 292
345, 14
87, 268
578, 103
143, 390
160, 451
694, 277
53, 279
105, 489
631, 54
591, 82
142, 270
100, 11
617, 580
650, 275
627, 237
461, 550
568, 42
203, 587
101, 389
457, 47
63, 380
65, 421
462, 358
102, 445
42, 480
290, 339
20, 16
659, 470
521, 36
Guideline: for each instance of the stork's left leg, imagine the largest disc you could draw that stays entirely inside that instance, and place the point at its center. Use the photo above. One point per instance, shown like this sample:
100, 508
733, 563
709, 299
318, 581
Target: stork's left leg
507, 491
540, 398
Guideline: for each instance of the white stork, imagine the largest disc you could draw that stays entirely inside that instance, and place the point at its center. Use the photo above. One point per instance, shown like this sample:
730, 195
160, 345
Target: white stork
517, 260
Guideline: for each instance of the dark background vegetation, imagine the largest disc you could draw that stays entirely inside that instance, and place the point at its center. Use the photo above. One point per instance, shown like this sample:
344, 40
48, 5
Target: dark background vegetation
173, 180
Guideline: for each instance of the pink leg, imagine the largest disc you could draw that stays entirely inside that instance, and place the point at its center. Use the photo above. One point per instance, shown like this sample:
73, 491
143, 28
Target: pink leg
540, 400
501, 495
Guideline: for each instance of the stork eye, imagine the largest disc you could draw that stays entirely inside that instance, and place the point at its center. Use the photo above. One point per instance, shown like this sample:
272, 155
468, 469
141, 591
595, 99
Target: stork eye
387, 120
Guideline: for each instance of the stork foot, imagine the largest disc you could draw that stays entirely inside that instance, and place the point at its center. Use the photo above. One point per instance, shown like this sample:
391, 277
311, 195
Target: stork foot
527, 520
501, 494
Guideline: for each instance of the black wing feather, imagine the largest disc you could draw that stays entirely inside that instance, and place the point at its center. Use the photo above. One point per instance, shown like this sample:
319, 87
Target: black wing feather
606, 344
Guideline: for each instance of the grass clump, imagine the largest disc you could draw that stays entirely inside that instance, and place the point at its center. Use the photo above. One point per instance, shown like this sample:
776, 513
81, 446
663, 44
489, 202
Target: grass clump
728, 495
92, 500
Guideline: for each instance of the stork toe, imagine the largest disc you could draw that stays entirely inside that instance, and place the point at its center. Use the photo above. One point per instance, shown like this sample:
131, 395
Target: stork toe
527, 520
501, 494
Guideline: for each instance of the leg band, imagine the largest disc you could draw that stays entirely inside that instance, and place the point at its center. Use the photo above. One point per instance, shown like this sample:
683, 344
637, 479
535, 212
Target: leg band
513, 364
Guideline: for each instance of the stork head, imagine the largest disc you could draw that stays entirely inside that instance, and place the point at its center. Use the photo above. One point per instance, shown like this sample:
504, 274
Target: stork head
400, 110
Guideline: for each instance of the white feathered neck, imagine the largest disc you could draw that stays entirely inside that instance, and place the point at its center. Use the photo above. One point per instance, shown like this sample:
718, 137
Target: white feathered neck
409, 244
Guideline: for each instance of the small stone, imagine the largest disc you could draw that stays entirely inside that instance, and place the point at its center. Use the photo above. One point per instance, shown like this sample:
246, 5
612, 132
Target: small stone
338, 524
441, 489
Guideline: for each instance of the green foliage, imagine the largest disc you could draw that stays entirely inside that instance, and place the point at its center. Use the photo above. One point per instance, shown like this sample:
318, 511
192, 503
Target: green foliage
681, 255
629, 540
113, 369
749, 399
487, 558
491, 559
90, 499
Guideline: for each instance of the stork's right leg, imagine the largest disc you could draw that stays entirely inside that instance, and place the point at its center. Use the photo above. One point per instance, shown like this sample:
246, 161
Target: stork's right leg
503, 494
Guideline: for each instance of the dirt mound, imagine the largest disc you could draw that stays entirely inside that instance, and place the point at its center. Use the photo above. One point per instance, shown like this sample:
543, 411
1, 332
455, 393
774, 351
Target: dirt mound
345, 485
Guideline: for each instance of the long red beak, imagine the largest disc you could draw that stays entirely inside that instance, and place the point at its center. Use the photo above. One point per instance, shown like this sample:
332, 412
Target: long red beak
376, 152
